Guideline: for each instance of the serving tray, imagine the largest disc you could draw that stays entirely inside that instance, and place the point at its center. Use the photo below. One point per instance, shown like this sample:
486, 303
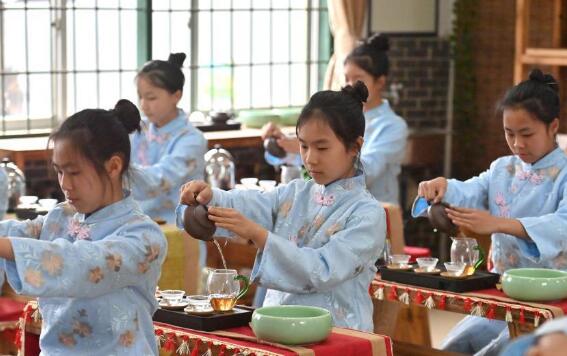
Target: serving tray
239, 316
480, 280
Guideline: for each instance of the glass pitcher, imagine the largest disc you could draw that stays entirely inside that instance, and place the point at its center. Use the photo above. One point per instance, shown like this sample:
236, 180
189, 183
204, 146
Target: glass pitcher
467, 250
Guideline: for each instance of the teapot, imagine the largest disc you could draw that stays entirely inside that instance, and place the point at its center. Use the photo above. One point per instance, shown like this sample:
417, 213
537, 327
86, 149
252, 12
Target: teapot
436, 214
16, 183
197, 223
272, 147
219, 168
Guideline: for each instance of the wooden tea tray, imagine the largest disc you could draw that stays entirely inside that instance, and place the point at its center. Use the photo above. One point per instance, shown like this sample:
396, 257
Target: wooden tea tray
480, 280
239, 316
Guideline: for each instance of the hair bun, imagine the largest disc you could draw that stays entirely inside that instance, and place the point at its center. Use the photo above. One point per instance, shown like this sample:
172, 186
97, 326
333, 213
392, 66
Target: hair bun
177, 59
379, 42
359, 91
547, 79
128, 115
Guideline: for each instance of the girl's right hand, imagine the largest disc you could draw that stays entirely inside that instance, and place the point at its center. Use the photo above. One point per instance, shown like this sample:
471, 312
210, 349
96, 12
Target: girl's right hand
196, 192
433, 190
271, 130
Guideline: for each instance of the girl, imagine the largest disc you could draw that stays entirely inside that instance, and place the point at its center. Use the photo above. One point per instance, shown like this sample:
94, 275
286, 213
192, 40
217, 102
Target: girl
317, 239
386, 133
169, 151
95, 259
519, 200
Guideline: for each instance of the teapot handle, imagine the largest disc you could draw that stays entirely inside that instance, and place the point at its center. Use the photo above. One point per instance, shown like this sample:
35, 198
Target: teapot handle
481, 256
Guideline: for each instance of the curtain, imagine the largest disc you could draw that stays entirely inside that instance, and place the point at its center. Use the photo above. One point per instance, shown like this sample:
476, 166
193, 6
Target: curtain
346, 19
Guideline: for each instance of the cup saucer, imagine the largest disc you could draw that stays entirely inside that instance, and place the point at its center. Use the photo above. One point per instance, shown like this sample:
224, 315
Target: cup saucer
172, 306
191, 310
399, 267
424, 271
452, 276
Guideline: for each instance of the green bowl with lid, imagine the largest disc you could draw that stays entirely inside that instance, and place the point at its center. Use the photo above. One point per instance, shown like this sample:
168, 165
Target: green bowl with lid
535, 284
291, 324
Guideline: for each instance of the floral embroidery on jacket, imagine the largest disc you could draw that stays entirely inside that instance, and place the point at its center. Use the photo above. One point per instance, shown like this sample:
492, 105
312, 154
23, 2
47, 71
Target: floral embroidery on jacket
34, 229
500, 201
34, 277
325, 200
67, 339
78, 231
127, 338
52, 263
531, 176
114, 262
96, 275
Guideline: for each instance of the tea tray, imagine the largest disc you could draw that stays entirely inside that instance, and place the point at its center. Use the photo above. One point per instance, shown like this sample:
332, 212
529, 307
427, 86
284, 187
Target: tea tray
239, 316
480, 280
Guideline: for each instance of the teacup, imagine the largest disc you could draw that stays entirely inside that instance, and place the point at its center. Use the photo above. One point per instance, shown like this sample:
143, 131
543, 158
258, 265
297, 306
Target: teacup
427, 264
455, 269
198, 303
399, 260
172, 296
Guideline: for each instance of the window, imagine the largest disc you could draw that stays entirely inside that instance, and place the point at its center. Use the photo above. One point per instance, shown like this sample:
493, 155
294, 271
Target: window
60, 56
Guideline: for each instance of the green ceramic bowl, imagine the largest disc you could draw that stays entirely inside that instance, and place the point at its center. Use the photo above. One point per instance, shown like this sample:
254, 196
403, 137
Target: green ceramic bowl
535, 284
291, 324
288, 116
257, 118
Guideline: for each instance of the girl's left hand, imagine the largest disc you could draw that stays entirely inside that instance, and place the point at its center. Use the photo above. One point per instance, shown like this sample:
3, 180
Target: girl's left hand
234, 221
477, 221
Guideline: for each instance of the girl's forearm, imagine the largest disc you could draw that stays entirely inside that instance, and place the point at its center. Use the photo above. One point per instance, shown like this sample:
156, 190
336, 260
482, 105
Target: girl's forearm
513, 227
6, 250
259, 237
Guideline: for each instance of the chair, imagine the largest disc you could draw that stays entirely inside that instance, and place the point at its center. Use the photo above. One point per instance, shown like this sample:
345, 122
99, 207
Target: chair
395, 233
394, 318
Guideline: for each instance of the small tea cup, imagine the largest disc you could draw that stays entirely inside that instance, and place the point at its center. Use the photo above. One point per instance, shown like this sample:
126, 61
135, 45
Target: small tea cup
28, 200
47, 204
249, 181
267, 185
455, 268
172, 296
427, 264
199, 303
399, 260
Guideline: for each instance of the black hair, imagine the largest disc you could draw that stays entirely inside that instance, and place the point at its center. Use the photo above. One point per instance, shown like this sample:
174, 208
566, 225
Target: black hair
341, 110
99, 134
538, 95
371, 55
165, 74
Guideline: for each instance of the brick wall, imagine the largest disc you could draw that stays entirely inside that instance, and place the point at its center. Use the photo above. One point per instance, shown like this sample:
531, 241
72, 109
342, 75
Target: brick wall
420, 64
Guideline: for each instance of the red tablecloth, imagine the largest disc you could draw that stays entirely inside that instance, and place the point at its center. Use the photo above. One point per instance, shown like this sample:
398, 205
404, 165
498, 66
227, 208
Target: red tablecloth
342, 342
180, 341
490, 303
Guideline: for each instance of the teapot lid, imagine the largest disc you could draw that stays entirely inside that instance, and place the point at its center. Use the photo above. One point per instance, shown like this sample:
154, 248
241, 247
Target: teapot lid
217, 153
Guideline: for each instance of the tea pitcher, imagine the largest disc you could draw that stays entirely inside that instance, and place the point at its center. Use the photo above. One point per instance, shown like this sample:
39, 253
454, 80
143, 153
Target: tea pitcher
219, 168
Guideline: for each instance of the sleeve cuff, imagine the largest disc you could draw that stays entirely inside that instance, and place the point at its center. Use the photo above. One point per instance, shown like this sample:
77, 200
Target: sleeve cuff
553, 326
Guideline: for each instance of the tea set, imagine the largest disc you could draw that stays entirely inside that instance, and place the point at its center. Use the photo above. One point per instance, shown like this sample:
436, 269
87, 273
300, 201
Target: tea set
224, 290
466, 254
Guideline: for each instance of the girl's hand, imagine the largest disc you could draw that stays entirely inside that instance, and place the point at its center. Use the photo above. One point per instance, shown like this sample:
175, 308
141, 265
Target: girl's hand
271, 130
289, 144
237, 223
477, 221
196, 192
433, 190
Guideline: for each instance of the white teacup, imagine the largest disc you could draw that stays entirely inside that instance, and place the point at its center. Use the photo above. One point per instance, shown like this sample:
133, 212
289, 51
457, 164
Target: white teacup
427, 264
172, 296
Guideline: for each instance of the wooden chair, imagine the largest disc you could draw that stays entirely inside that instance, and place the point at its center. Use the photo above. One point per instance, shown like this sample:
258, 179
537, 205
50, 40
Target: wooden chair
394, 318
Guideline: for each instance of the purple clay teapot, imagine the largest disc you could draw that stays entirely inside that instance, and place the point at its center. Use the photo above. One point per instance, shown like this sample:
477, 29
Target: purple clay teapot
271, 145
197, 224
440, 220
